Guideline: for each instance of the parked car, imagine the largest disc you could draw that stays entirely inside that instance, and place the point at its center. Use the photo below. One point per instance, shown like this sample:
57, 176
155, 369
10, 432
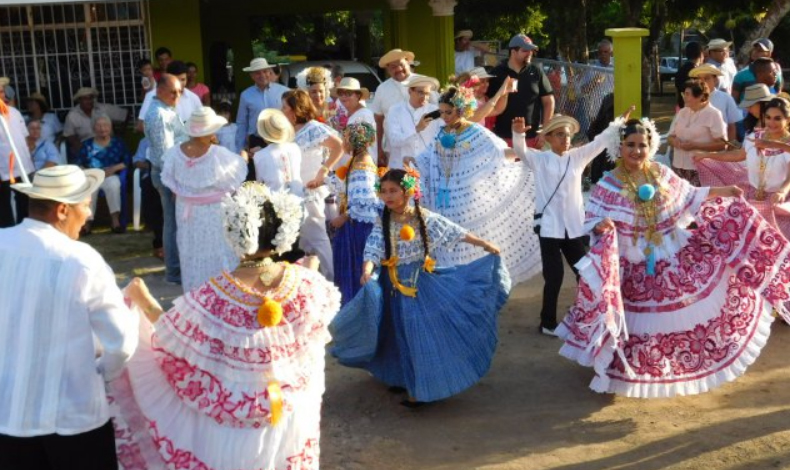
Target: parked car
366, 75
668, 67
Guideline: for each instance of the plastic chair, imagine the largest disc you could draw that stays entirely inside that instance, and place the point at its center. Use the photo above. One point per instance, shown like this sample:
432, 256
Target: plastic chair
136, 199
64, 153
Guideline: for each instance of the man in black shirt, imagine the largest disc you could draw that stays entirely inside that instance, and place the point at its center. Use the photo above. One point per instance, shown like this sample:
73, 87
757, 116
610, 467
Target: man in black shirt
533, 89
693, 59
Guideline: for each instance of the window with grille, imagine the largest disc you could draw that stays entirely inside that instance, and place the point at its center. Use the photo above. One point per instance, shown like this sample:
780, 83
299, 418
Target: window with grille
58, 48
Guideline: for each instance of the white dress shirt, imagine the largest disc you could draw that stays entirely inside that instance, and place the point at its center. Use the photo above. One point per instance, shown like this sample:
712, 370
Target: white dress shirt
64, 331
278, 166
187, 104
565, 212
400, 129
16, 123
388, 94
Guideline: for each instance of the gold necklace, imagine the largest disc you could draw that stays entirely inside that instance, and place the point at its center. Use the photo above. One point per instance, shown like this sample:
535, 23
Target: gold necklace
647, 210
268, 273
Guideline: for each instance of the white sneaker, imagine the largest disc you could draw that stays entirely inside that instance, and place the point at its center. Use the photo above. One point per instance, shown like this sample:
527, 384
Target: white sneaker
548, 331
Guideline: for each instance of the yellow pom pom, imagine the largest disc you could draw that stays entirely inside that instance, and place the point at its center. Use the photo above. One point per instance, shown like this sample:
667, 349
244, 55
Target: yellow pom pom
407, 233
342, 172
270, 313
429, 265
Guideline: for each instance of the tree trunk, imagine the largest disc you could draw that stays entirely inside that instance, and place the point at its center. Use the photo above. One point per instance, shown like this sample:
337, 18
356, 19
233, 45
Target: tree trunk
777, 11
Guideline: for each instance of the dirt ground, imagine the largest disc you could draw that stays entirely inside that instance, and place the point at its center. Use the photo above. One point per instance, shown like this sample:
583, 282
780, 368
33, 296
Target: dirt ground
534, 410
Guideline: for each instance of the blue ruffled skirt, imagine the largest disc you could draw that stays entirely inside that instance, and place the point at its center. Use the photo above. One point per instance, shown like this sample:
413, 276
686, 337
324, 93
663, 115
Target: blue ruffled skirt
434, 345
348, 249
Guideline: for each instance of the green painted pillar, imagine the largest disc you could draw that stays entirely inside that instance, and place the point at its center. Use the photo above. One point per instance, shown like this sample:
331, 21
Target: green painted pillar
443, 15
398, 28
627, 68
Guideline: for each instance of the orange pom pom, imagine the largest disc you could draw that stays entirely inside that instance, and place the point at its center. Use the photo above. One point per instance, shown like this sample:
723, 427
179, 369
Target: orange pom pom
407, 233
342, 172
383, 171
270, 313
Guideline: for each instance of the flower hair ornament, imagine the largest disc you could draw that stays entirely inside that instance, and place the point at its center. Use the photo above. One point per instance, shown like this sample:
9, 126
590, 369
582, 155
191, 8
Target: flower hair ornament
411, 182
360, 135
243, 216
465, 101
618, 135
314, 76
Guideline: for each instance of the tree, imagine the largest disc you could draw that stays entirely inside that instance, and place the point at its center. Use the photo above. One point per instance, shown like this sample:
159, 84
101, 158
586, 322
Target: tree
777, 10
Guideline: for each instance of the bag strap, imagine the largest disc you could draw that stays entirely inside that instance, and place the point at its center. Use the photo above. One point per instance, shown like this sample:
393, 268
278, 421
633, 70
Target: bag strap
558, 185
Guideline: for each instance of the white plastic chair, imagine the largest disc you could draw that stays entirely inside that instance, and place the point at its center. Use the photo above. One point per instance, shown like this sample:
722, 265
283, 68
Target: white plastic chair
64, 155
136, 198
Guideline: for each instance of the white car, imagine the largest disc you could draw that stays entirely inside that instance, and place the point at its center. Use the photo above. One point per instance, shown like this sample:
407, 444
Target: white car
668, 67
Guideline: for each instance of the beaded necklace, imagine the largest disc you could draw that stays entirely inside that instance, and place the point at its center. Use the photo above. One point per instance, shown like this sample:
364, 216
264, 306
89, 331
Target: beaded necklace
761, 179
448, 157
646, 200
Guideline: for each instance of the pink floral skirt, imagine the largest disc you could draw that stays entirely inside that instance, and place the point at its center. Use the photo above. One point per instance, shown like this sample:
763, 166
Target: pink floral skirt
699, 322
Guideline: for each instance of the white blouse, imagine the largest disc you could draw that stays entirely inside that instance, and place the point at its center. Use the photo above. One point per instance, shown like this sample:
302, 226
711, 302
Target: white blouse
565, 212
64, 331
278, 166
777, 165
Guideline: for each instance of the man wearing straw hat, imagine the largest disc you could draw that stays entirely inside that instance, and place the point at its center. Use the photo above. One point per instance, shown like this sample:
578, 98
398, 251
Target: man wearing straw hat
65, 331
391, 91
262, 95
12, 163
719, 56
408, 127
466, 51
78, 126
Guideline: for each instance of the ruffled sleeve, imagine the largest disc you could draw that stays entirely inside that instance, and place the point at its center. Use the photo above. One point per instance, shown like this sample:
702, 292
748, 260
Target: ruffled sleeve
442, 232
313, 135
374, 247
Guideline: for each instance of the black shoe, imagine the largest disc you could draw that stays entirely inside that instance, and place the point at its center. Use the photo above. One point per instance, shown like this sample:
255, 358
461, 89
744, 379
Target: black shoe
396, 389
119, 229
412, 404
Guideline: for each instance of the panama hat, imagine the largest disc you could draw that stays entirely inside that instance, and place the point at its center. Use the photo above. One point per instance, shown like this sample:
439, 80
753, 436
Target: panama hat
560, 121
85, 91
395, 54
352, 84
718, 44
4, 81
755, 94
68, 184
274, 127
258, 64
204, 121
705, 69
480, 73
464, 33
37, 96
421, 80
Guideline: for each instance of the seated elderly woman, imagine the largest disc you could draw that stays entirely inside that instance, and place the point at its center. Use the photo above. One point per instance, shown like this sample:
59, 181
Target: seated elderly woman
42, 151
109, 153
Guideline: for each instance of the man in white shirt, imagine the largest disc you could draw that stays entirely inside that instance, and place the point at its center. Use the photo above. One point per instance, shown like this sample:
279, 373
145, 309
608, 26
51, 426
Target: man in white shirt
408, 128
466, 51
720, 100
78, 126
65, 331
396, 63
188, 103
18, 129
719, 57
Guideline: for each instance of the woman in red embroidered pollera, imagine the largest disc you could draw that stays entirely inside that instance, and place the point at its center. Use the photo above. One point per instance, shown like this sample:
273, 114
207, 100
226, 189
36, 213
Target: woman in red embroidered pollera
663, 310
232, 377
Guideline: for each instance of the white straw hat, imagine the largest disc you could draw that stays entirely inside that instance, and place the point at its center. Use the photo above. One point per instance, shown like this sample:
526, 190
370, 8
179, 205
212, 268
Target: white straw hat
257, 64
421, 80
754, 94
395, 54
85, 91
560, 121
352, 84
204, 121
68, 184
274, 127
480, 73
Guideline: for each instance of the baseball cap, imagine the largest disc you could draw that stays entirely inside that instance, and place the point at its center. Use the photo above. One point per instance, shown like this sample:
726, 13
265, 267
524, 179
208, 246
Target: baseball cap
522, 41
764, 44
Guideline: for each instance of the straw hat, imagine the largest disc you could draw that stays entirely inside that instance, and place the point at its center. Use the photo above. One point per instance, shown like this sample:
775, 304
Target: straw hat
395, 54
480, 73
718, 44
258, 64
274, 127
421, 80
560, 121
204, 121
705, 69
68, 184
4, 81
85, 91
755, 94
352, 84
464, 33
